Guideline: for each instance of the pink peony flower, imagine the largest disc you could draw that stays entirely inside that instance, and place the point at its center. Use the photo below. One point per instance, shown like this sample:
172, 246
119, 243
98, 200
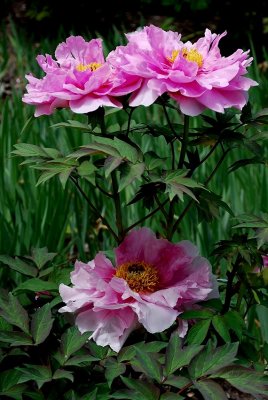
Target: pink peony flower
194, 74
265, 261
79, 79
265, 264
153, 282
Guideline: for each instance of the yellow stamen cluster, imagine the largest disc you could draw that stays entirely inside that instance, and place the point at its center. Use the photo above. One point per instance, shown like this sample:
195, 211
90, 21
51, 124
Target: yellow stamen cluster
85, 67
140, 276
191, 55
174, 55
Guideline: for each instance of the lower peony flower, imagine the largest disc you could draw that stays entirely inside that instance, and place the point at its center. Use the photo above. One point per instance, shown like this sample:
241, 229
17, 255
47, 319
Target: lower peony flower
79, 79
196, 75
152, 282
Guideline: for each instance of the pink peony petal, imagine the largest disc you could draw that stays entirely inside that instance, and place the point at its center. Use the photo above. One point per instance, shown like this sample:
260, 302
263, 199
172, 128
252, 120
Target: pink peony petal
153, 317
91, 103
109, 327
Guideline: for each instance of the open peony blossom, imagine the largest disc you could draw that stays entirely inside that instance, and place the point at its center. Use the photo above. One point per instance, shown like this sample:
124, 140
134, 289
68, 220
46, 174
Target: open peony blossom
194, 74
79, 78
153, 281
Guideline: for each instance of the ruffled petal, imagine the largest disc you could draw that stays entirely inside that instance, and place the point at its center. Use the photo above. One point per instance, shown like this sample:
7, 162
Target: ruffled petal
109, 327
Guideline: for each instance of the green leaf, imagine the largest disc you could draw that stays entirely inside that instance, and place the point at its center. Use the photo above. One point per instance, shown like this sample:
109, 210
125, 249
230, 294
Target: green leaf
87, 170
63, 374
171, 396
73, 125
28, 150
176, 356
235, 322
219, 324
177, 381
41, 325
128, 352
97, 148
210, 360
34, 395
209, 206
110, 164
13, 312
197, 314
145, 389
15, 338
63, 171
153, 161
148, 363
64, 176
210, 390
41, 256
129, 173
126, 394
14, 392
127, 151
80, 360
244, 379
8, 379
113, 369
4, 325
177, 184
19, 265
36, 285
38, 373
90, 396
72, 341
246, 114
98, 352
262, 312
198, 332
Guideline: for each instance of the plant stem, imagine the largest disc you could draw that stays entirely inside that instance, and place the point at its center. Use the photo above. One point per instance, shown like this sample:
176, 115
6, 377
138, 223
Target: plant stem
118, 211
185, 387
189, 205
180, 165
146, 216
211, 151
170, 124
129, 120
184, 141
105, 222
103, 191
172, 154
217, 166
229, 288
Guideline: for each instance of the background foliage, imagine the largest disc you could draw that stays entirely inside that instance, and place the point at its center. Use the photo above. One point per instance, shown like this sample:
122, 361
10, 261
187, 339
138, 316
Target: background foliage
48, 215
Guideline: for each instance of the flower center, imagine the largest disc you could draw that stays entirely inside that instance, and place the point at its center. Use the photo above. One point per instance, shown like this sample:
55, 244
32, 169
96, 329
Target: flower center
140, 276
85, 67
191, 55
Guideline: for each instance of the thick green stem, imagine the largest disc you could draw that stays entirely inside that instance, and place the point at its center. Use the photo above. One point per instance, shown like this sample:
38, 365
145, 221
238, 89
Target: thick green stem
118, 211
229, 289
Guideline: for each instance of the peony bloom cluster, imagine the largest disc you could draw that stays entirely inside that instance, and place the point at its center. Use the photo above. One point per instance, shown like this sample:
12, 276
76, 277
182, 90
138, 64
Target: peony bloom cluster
194, 74
153, 62
152, 282
79, 79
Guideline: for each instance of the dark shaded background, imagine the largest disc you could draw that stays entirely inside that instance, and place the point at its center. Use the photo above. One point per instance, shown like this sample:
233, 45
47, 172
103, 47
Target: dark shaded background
240, 18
